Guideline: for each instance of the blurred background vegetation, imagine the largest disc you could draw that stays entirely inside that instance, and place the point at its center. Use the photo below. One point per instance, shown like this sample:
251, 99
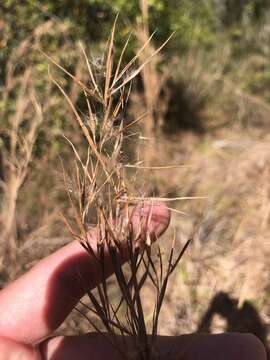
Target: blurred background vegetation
211, 106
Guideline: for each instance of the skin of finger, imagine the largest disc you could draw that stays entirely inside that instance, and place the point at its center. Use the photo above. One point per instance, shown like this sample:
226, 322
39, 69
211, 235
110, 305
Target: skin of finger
35, 304
186, 347
233, 346
11, 350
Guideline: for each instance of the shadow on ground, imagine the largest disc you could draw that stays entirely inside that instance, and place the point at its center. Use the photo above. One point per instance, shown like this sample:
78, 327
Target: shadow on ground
245, 319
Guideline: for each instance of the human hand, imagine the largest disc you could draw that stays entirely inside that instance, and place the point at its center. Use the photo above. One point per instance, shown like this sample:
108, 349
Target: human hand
34, 305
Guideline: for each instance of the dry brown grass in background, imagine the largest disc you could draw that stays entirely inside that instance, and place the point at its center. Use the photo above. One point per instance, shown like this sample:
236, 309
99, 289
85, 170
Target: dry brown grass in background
153, 81
21, 129
230, 251
25, 205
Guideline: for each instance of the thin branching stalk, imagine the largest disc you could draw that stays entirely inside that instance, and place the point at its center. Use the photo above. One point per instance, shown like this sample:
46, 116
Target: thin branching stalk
101, 191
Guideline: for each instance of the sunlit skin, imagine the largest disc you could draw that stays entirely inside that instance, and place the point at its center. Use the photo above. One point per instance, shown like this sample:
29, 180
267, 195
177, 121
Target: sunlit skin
34, 305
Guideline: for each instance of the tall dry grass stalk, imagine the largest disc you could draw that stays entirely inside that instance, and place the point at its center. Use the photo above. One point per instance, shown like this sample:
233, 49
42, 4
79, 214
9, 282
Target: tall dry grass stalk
19, 127
101, 191
153, 82
21, 114
18, 160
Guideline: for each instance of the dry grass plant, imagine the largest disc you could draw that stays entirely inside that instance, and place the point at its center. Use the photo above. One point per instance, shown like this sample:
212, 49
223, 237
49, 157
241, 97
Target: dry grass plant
154, 80
21, 131
100, 191
22, 111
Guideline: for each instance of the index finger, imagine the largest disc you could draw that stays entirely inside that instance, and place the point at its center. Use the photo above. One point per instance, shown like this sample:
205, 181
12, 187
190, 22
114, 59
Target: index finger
38, 302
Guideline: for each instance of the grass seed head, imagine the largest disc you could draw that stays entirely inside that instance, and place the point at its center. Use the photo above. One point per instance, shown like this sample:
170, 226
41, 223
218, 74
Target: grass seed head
100, 191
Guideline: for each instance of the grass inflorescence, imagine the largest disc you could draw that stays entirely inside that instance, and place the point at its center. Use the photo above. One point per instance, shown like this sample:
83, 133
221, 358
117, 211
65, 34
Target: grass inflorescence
100, 191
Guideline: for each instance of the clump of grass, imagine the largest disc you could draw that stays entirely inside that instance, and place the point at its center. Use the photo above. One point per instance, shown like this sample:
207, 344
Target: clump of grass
100, 191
